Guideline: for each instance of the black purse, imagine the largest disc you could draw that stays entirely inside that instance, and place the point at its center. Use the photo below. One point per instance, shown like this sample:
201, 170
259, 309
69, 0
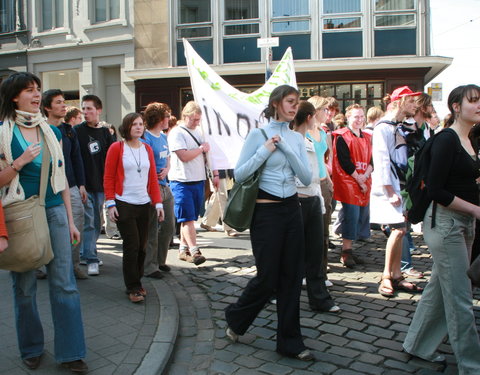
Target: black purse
241, 200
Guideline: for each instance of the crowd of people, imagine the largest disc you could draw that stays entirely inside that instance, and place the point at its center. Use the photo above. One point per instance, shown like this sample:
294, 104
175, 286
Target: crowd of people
154, 179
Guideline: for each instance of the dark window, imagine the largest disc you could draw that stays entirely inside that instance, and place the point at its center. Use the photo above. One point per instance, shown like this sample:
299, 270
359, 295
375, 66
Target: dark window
347, 44
202, 47
240, 50
7, 16
300, 44
395, 42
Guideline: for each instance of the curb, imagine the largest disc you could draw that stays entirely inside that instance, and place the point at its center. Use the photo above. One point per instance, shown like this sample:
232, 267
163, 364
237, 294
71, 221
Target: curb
158, 355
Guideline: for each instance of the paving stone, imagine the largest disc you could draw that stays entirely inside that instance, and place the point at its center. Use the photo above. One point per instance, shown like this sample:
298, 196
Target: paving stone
380, 332
362, 346
275, 369
364, 368
355, 335
248, 361
333, 329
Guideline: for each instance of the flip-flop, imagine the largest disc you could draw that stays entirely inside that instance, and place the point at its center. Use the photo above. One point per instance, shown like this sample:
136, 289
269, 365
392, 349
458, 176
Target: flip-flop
385, 290
411, 287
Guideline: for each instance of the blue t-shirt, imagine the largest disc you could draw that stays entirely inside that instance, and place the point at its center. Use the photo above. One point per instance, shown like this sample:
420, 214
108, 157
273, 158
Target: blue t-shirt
320, 149
159, 146
30, 173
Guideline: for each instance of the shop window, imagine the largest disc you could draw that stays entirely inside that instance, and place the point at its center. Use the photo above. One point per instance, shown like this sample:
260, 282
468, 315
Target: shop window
52, 12
7, 16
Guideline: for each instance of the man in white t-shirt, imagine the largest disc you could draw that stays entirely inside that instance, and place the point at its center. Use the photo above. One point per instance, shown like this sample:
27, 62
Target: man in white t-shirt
187, 177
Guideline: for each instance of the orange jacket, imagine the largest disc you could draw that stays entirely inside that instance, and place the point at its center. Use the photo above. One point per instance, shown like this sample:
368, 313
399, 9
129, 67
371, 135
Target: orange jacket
345, 188
3, 227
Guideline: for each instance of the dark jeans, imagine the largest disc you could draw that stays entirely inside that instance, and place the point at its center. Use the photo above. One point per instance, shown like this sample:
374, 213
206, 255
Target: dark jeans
277, 242
133, 226
318, 296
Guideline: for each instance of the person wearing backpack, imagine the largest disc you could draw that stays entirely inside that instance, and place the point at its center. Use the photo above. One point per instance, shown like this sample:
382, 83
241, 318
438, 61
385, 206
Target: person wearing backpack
449, 225
385, 198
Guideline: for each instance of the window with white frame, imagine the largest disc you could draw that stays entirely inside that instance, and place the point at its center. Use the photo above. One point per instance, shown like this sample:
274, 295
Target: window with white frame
52, 14
291, 23
194, 22
105, 10
7, 16
395, 27
342, 34
241, 29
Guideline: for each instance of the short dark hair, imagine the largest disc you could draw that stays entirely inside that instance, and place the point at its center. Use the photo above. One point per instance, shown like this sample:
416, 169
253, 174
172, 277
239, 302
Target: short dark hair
47, 98
93, 98
10, 88
154, 113
127, 123
305, 109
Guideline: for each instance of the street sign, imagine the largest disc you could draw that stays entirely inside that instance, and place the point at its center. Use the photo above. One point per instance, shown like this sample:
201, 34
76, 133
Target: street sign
268, 42
436, 92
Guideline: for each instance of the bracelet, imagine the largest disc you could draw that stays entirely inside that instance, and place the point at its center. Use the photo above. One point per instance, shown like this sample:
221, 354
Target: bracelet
111, 205
14, 168
216, 175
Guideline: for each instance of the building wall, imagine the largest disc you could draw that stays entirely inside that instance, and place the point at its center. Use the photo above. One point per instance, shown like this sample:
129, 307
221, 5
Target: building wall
96, 52
152, 34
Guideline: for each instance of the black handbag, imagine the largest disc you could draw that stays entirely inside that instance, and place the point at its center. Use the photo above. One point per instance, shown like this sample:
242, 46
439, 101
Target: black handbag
241, 200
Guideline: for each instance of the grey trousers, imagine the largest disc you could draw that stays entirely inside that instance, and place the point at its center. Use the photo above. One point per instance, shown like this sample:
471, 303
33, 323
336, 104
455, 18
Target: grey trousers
446, 304
160, 234
78, 212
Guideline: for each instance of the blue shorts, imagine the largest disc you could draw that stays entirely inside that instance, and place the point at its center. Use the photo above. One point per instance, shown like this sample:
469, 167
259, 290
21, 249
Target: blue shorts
188, 198
354, 219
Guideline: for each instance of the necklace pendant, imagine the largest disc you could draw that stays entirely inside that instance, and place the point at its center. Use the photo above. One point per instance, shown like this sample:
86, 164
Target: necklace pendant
139, 170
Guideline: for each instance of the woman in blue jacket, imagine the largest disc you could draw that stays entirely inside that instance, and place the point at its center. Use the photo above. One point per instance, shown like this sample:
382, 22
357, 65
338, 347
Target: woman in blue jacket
277, 227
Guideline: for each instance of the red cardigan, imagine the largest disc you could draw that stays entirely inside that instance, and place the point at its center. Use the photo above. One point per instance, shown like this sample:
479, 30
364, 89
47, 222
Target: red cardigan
114, 174
3, 227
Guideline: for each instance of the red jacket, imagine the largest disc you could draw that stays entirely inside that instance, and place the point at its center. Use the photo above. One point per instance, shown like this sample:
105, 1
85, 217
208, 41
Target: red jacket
114, 174
3, 227
345, 188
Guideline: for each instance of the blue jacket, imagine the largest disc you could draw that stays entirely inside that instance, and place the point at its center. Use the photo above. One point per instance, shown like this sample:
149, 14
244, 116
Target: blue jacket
287, 161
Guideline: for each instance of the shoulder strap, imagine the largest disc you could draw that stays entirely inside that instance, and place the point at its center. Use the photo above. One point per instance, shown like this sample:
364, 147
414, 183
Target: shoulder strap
194, 138
44, 170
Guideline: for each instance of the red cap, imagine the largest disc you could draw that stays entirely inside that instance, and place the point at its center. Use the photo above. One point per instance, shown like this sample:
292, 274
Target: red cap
401, 92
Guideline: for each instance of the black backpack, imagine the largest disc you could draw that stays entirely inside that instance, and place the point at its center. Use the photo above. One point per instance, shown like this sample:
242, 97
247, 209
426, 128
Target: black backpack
415, 196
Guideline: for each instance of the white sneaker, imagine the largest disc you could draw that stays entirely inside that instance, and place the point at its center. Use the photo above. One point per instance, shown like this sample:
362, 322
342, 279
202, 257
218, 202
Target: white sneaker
93, 269
328, 283
304, 282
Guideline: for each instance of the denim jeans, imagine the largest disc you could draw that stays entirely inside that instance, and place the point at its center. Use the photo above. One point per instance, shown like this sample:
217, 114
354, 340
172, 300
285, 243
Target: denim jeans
406, 262
69, 340
355, 218
78, 212
92, 226
446, 304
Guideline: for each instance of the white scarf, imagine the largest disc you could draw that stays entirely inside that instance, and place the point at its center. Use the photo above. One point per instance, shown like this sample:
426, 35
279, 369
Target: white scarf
13, 192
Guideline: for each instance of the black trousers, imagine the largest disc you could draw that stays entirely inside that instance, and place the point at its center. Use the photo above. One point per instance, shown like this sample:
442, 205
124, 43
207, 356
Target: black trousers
133, 226
318, 296
277, 239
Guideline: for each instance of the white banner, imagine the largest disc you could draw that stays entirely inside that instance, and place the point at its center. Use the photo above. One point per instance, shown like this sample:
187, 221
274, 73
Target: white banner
230, 114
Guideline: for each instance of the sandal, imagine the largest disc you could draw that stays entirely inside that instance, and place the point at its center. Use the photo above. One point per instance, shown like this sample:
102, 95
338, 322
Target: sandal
407, 286
346, 258
385, 290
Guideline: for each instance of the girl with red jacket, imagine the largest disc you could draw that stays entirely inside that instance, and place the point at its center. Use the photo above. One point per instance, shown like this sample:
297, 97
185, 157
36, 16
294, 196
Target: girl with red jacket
130, 184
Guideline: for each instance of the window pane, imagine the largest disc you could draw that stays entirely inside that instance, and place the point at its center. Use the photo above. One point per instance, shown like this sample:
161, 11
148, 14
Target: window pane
345, 44
100, 10
58, 13
394, 4
341, 23
288, 8
327, 90
196, 32
241, 9
289, 26
343, 92
375, 90
203, 47
398, 20
396, 42
114, 9
47, 15
359, 92
344, 6
240, 50
300, 44
193, 11
7, 16
241, 29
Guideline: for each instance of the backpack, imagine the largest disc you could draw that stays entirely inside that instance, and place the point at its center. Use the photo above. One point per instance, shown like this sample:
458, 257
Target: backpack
415, 195
408, 140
